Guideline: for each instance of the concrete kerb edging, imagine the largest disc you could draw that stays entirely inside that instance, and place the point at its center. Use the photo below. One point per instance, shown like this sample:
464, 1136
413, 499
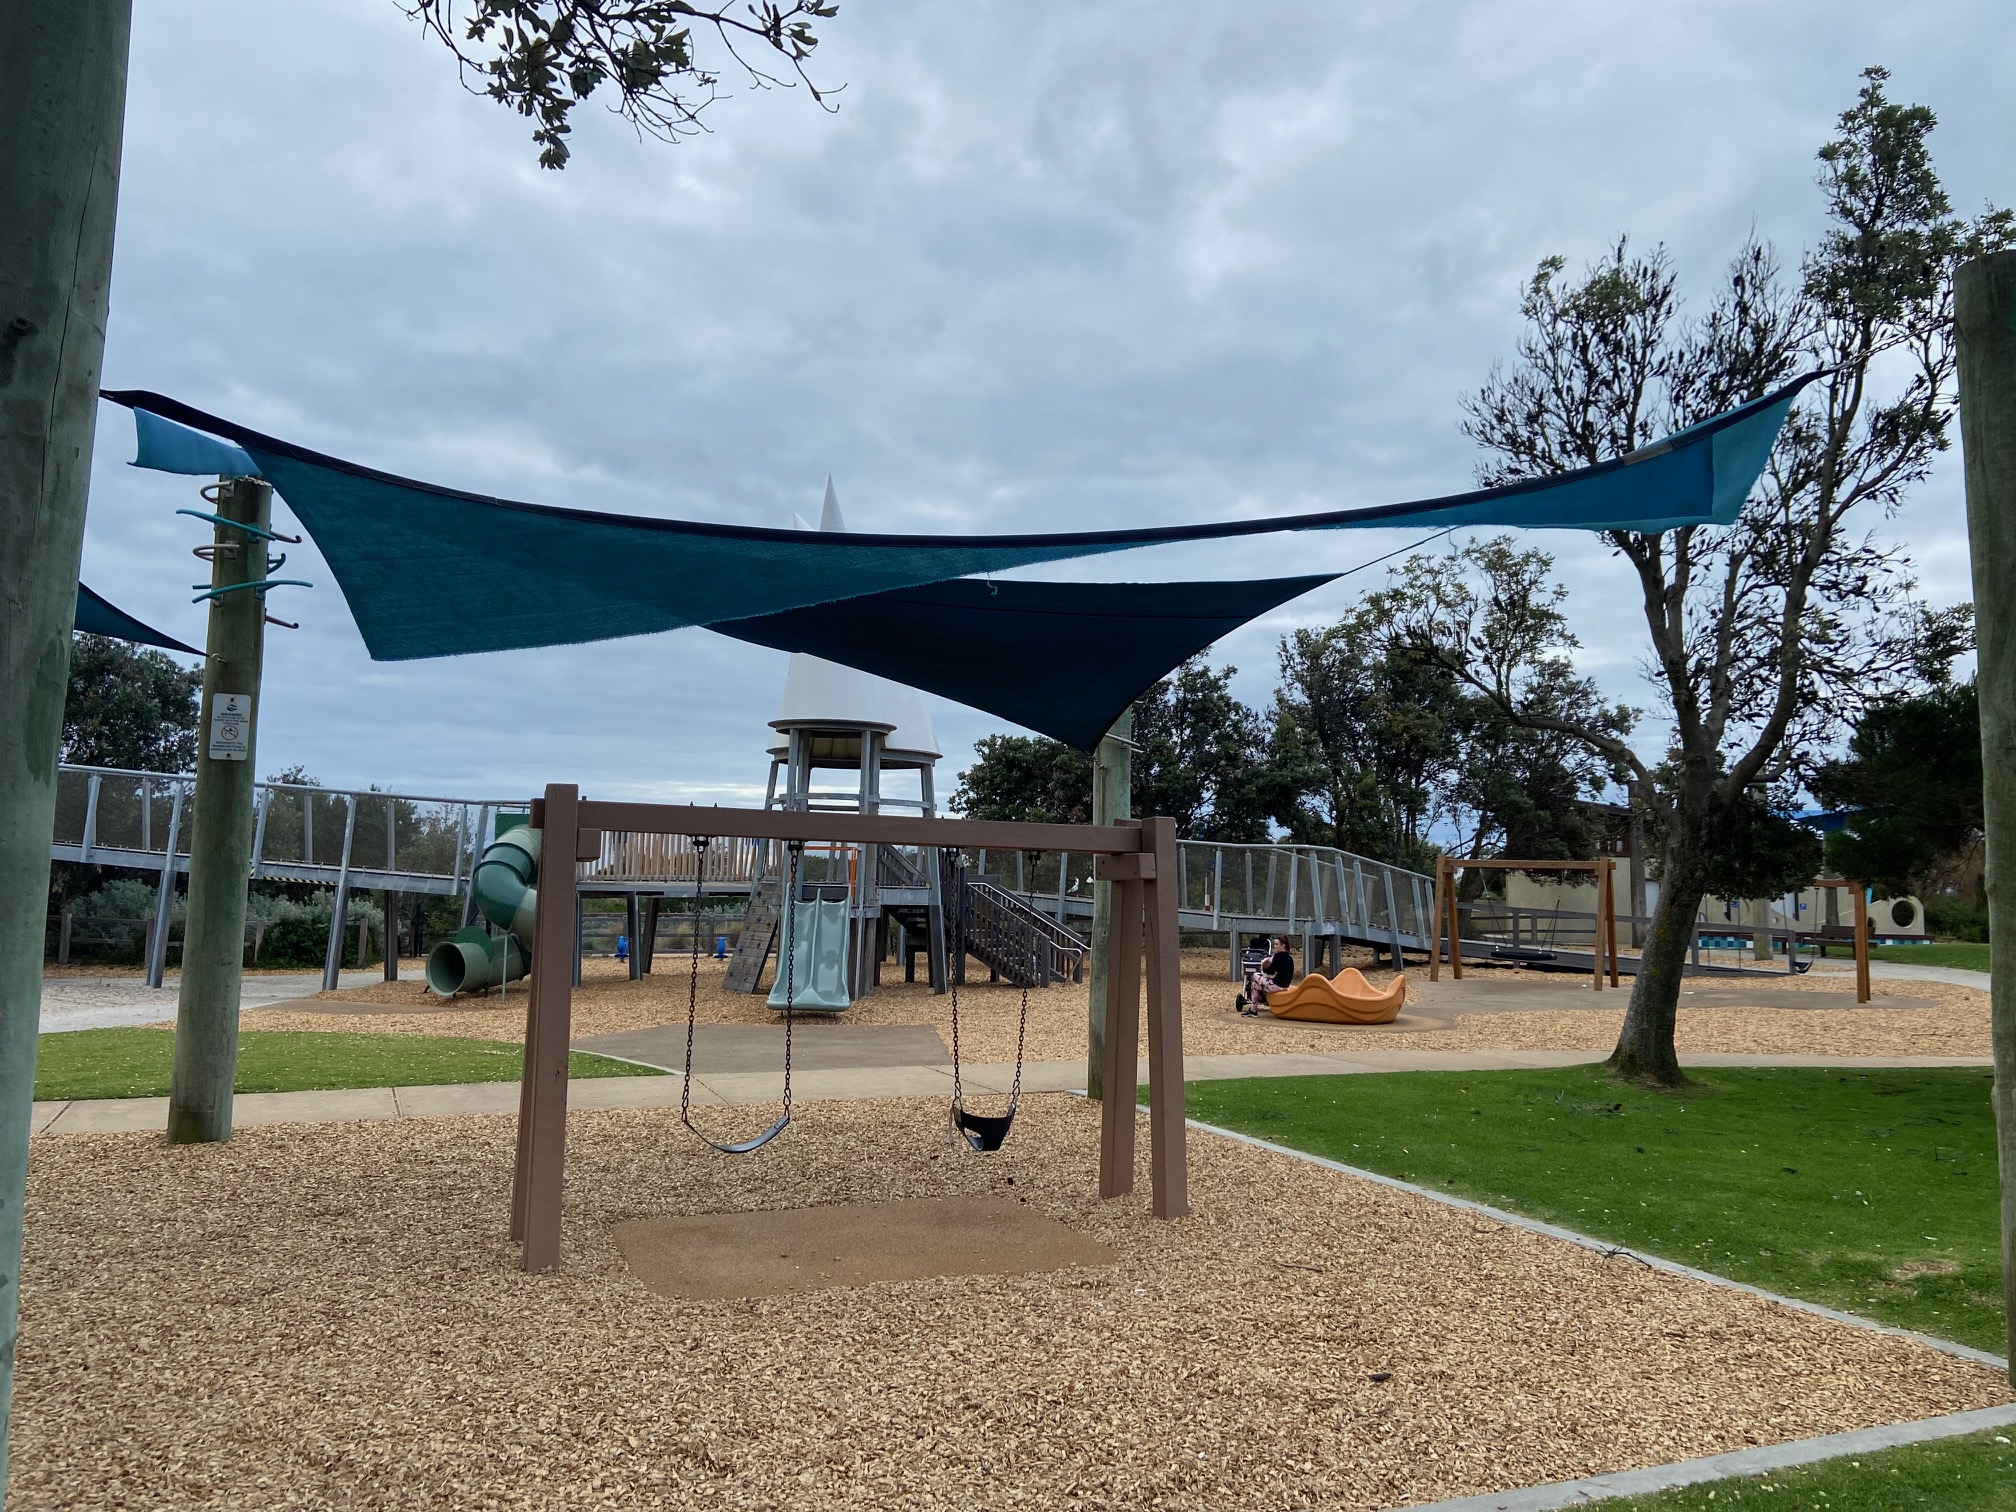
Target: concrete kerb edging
1742, 1462
1684, 1472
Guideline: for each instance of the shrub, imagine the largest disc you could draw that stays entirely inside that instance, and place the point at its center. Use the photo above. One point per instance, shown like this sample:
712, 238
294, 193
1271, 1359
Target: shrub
1955, 918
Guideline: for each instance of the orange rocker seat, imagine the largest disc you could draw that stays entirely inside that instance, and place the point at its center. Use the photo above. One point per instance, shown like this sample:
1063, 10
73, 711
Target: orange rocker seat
1346, 998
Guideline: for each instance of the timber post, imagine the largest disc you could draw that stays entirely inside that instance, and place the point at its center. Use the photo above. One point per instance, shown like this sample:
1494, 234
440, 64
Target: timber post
62, 112
1170, 1191
542, 1142
1112, 802
1985, 321
220, 841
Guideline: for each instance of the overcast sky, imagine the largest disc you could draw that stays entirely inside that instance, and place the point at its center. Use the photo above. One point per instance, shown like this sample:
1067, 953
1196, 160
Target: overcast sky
1047, 267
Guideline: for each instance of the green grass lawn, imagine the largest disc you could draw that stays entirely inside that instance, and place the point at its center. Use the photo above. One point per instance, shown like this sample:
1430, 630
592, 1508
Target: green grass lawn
139, 1062
1968, 957
1972, 1474
1871, 1191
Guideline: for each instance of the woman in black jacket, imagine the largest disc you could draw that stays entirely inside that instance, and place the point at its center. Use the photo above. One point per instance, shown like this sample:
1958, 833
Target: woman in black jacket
1261, 980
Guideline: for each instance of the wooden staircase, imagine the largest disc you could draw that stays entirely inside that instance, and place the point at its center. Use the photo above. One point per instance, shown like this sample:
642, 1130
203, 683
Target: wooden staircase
1015, 942
759, 937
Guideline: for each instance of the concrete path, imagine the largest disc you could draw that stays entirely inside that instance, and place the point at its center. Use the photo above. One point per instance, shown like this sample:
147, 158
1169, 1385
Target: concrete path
740, 1088
126, 1002
1904, 971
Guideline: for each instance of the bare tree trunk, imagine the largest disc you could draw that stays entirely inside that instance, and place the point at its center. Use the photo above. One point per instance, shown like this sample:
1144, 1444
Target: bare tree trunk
1645, 1049
62, 108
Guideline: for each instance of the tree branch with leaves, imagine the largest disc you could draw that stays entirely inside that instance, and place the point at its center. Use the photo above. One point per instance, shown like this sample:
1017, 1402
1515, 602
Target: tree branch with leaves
544, 57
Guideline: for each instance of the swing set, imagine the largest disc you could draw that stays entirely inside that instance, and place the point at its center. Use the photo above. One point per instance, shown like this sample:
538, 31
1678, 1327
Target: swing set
983, 1132
1133, 855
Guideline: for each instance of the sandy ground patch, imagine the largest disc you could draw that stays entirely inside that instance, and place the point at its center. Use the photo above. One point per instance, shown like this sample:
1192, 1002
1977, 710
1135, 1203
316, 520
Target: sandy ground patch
329, 1317
1955, 1023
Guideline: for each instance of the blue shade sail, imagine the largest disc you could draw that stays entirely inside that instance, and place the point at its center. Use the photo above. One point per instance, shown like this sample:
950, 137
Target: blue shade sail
167, 447
1063, 659
433, 571
98, 616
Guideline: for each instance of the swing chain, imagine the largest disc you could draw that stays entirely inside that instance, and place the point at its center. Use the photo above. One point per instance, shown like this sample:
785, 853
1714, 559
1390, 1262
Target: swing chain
793, 871
692, 1015
700, 843
1021, 1036
958, 1093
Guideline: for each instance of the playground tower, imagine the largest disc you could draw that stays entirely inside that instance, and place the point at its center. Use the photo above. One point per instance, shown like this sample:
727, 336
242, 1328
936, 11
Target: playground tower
847, 740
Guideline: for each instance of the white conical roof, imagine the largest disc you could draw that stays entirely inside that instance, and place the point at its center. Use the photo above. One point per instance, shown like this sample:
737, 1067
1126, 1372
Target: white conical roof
823, 693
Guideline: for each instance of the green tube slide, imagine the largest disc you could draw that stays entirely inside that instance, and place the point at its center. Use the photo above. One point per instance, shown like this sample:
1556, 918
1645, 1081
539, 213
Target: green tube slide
505, 895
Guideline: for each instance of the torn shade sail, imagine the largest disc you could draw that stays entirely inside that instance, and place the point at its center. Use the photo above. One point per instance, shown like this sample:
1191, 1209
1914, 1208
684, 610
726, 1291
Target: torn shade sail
98, 616
1063, 659
432, 571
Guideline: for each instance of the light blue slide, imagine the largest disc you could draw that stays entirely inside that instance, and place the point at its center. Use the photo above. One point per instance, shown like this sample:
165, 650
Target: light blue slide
817, 939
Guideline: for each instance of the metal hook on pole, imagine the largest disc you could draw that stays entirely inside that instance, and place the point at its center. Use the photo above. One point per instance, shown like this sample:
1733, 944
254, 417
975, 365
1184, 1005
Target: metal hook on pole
252, 530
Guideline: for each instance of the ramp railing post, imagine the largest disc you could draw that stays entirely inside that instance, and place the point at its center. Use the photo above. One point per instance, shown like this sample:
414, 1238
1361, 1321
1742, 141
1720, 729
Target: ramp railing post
339, 906
164, 896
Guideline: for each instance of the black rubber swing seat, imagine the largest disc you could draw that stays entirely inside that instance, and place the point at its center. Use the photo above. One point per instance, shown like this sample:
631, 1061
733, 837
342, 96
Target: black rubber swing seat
980, 1131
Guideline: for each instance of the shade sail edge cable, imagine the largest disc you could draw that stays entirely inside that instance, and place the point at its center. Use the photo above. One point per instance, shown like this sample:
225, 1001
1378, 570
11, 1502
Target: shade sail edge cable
1698, 435
431, 571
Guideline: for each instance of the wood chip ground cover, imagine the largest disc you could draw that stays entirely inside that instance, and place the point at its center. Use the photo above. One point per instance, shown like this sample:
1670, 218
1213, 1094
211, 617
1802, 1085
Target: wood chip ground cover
1955, 1023
329, 1316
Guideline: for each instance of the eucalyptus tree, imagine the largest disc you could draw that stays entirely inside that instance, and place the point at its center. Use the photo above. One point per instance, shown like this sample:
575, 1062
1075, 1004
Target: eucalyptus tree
1764, 636
62, 112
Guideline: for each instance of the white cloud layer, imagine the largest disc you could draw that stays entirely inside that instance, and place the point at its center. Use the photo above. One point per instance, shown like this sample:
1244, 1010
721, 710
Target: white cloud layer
1046, 268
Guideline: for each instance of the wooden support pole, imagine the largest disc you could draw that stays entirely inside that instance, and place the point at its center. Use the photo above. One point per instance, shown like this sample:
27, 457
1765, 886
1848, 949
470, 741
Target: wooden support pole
630, 934
549, 1021
1596, 935
1984, 302
1610, 917
1168, 1161
1861, 943
220, 841
1453, 913
1112, 802
1122, 1047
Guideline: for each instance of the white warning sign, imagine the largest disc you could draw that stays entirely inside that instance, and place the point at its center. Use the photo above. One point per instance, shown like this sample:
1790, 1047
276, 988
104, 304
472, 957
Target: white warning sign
230, 726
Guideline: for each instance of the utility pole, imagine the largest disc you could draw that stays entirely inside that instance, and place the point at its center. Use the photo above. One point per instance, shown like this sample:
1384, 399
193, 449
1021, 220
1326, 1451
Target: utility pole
220, 844
1984, 307
62, 113
1112, 801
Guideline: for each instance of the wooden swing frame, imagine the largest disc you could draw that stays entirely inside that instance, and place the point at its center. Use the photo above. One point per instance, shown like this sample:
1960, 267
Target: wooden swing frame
1446, 911
1135, 855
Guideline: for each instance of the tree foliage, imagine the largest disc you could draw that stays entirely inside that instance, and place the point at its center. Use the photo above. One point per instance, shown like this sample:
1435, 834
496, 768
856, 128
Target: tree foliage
1411, 739
544, 57
129, 707
1768, 635
1196, 747
1027, 779
1912, 775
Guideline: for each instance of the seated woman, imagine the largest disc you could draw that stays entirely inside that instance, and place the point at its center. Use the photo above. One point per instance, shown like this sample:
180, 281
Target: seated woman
1276, 974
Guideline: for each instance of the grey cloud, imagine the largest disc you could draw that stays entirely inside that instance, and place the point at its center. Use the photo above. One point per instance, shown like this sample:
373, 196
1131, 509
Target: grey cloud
1047, 267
